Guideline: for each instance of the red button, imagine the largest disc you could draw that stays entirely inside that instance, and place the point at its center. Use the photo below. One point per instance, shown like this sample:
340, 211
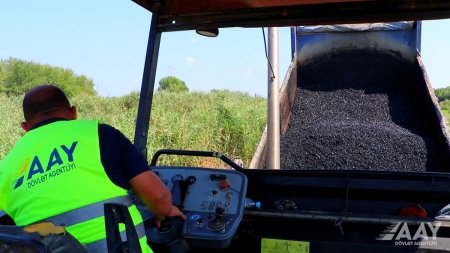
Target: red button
223, 185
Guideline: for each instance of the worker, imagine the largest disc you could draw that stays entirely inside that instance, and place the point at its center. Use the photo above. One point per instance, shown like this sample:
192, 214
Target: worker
63, 170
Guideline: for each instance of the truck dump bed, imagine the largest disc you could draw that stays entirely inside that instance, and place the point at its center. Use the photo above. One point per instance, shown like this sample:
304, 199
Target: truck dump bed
362, 102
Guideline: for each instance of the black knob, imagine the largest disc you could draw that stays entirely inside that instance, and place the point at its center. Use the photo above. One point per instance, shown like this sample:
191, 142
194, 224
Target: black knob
216, 223
219, 214
220, 210
166, 226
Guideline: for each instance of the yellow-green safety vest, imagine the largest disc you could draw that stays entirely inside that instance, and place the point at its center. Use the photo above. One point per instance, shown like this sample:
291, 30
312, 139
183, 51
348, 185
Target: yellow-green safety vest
55, 173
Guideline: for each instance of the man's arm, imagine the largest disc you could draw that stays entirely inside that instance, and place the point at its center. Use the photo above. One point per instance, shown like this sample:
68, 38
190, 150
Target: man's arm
127, 168
155, 195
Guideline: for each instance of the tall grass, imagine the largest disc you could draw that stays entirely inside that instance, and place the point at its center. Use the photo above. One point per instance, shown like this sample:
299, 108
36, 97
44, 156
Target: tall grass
223, 121
10, 119
446, 114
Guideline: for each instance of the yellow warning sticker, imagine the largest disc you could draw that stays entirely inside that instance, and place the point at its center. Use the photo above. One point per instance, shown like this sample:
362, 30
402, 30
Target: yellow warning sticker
283, 246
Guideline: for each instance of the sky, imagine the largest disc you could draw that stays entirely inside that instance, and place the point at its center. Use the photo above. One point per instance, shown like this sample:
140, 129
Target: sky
106, 40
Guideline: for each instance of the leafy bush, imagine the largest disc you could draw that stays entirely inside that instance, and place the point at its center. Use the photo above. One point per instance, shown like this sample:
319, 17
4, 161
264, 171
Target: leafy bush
443, 93
172, 84
17, 77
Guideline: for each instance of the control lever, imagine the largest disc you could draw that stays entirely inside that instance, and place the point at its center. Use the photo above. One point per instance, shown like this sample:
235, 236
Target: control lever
168, 237
219, 212
176, 190
217, 222
174, 241
170, 223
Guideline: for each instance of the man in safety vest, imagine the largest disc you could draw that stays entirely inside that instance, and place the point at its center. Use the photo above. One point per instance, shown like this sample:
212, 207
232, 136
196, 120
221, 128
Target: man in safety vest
63, 170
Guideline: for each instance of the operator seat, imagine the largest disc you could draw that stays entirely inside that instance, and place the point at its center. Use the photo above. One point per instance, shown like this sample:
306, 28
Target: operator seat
45, 237
40, 238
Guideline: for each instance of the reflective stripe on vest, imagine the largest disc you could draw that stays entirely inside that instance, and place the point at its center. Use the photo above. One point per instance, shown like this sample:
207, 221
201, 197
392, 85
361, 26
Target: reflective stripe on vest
86, 213
93, 211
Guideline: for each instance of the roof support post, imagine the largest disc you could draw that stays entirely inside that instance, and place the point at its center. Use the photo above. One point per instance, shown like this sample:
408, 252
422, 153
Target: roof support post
273, 117
148, 84
419, 35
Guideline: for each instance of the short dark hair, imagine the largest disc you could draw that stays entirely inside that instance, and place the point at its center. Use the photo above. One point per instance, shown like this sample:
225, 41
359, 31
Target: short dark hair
42, 100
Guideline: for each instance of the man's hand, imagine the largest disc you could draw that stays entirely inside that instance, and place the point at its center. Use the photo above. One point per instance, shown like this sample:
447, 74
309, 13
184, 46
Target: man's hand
174, 212
155, 196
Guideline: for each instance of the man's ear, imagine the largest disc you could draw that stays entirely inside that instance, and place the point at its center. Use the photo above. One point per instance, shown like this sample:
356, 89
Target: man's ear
73, 112
25, 126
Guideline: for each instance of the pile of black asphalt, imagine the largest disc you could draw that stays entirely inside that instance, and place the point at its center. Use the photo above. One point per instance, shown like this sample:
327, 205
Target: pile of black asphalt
360, 110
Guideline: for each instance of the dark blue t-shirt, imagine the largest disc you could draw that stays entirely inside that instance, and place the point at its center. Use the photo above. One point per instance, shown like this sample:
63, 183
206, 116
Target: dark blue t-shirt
120, 158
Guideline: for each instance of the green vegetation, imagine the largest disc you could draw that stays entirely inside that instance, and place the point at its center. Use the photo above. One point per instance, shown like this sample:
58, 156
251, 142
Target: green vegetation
443, 95
224, 121
172, 84
447, 116
445, 108
17, 76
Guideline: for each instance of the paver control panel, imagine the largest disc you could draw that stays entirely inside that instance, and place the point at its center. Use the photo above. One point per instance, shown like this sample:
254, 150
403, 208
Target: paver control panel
211, 199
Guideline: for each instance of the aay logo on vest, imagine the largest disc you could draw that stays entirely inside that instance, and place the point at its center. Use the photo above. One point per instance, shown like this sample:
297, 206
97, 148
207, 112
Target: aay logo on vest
38, 173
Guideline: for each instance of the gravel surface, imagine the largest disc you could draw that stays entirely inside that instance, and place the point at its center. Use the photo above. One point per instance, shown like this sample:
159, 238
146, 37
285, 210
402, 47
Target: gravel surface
359, 110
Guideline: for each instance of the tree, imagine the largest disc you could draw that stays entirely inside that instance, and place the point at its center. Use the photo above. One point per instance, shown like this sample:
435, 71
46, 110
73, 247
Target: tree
18, 76
172, 84
443, 93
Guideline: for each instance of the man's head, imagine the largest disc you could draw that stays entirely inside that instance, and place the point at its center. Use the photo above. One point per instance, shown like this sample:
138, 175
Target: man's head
44, 102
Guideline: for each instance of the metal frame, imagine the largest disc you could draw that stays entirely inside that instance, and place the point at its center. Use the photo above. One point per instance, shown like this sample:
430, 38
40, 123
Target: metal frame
273, 101
307, 14
148, 84
195, 153
419, 35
